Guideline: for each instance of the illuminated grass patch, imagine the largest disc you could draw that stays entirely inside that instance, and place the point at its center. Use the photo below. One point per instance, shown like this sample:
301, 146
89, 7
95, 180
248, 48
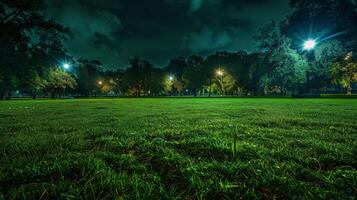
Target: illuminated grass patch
179, 148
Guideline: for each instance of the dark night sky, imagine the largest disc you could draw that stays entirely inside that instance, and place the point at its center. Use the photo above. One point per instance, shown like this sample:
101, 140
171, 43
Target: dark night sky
113, 30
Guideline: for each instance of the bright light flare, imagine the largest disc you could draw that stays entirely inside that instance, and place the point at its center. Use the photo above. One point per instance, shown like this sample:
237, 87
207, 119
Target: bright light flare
309, 44
66, 66
220, 72
100, 82
171, 78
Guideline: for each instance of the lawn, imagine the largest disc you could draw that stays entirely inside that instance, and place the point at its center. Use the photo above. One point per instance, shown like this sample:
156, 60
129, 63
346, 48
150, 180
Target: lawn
178, 148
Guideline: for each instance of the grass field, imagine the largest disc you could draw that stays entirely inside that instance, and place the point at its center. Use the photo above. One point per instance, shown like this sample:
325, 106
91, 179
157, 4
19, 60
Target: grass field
178, 148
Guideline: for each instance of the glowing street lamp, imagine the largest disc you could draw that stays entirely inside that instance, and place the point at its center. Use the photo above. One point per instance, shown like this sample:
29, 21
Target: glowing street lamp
171, 78
309, 44
66, 66
221, 73
100, 83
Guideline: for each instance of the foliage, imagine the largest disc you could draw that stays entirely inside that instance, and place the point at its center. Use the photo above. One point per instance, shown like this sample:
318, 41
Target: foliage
27, 40
227, 83
33, 83
173, 87
142, 78
177, 66
30, 43
88, 73
287, 67
345, 72
58, 80
194, 74
324, 56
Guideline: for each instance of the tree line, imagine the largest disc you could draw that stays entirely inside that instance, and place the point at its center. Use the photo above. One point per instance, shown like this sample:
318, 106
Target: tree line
31, 47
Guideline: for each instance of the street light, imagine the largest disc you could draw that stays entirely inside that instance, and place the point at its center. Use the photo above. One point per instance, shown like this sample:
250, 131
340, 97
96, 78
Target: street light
309, 44
100, 83
171, 78
66, 66
221, 73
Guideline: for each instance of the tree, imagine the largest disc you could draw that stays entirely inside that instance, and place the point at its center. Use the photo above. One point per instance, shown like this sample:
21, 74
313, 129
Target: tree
140, 78
193, 74
146, 74
290, 68
134, 76
58, 81
88, 74
287, 69
175, 69
325, 54
112, 81
172, 86
256, 71
33, 83
345, 72
27, 40
228, 84
155, 82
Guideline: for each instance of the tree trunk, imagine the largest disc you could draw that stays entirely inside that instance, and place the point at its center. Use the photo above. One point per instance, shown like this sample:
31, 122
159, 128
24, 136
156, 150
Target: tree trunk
349, 90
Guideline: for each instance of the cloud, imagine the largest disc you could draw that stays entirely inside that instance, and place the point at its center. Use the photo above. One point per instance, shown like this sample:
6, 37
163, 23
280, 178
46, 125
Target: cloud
206, 40
231, 24
195, 5
114, 30
89, 26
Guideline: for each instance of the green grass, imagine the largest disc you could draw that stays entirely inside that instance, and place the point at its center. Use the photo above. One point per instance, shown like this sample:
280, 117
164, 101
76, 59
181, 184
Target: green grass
178, 148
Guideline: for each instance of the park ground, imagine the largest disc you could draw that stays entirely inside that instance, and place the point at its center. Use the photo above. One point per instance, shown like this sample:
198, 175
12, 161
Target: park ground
174, 148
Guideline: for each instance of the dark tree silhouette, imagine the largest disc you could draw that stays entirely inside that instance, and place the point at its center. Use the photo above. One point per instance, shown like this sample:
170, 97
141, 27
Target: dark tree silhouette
28, 42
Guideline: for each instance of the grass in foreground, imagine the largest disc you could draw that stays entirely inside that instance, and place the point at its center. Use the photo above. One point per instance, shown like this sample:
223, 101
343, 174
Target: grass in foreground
178, 148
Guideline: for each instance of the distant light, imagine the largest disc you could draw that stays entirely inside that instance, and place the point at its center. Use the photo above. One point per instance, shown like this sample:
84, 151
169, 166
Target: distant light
220, 72
309, 44
66, 66
100, 82
348, 56
171, 78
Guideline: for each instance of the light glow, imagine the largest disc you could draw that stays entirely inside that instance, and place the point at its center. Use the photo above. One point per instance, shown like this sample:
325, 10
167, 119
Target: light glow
220, 72
66, 66
309, 44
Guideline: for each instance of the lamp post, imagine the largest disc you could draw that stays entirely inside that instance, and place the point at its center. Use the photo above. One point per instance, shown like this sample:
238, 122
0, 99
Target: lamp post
65, 66
309, 45
171, 78
100, 83
220, 73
